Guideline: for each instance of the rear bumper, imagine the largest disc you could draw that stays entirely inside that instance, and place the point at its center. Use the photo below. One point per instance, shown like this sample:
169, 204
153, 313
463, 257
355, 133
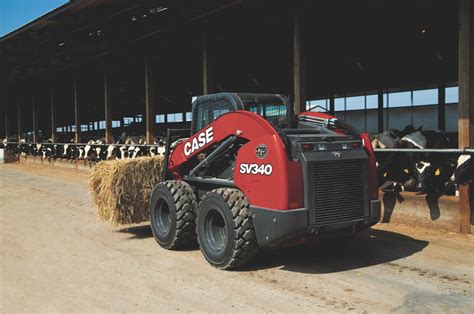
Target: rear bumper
273, 227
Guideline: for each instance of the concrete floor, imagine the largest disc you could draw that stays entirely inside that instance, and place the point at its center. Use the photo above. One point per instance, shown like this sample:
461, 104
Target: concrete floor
56, 256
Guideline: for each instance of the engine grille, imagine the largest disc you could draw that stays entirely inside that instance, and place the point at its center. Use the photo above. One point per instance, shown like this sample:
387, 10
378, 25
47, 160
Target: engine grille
340, 191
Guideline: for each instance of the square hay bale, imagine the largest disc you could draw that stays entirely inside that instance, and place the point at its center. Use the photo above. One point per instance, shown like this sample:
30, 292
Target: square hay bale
121, 189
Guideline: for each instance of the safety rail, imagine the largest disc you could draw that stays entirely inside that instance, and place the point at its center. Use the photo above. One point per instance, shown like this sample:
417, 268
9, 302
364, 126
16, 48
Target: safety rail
377, 150
82, 144
426, 150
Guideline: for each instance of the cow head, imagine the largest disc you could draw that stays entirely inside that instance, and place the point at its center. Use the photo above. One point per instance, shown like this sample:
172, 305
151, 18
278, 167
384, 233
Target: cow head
464, 173
433, 178
66, 151
123, 152
113, 152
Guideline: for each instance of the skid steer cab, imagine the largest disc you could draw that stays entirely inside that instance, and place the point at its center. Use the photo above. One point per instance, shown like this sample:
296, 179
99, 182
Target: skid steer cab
253, 175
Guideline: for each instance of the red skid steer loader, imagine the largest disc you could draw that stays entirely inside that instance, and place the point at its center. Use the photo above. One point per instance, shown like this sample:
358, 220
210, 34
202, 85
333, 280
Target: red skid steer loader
253, 175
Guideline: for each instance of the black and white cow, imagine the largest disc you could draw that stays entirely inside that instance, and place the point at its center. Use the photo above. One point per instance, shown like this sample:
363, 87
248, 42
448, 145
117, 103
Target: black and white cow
390, 138
420, 172
432, 171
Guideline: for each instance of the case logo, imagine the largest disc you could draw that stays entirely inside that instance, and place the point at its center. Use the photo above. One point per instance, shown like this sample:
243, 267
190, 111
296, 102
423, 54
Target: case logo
261, 151
203, 138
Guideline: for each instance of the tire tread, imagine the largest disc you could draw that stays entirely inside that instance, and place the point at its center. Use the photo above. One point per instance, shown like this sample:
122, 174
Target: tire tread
245, 246
186, 205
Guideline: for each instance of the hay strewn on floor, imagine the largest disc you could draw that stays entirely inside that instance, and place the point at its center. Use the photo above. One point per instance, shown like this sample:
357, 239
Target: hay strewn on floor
121, 189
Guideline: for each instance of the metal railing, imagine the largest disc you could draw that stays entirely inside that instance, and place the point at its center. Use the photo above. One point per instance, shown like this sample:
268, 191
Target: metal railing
81, 144
377, 150
426, 150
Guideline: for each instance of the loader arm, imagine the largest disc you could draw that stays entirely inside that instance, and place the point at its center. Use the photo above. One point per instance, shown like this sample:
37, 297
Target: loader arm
256, 173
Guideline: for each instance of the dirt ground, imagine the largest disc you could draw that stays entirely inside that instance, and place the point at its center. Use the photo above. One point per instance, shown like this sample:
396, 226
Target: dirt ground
56, 256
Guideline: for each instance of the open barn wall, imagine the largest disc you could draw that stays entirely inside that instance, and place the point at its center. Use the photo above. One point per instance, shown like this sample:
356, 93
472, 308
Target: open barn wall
349, 47
99, 63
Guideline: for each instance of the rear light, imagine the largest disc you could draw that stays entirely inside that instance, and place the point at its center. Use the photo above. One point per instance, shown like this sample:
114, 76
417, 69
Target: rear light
356, 145
322, 147
307, 146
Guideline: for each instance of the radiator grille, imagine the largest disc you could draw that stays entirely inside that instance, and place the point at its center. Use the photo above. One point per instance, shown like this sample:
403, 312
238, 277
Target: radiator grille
340, 191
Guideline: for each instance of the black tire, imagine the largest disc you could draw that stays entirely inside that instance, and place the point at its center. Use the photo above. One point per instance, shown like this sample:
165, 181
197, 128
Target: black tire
225, 230
173, 214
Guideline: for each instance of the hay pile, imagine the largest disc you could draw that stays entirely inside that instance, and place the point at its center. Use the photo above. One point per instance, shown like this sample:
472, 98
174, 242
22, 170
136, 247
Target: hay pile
121, 189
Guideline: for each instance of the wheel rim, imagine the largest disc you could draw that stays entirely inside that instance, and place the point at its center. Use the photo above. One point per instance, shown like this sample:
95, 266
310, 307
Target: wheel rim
163, 217
215, 230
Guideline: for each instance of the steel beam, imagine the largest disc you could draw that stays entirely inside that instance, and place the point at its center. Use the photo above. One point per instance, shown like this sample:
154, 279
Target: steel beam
108, 108
299, 70
77, 115
18, 106
442, 107
53, 118
149, 102
6, 121
466, 99
332, 105
380, 111
33, 109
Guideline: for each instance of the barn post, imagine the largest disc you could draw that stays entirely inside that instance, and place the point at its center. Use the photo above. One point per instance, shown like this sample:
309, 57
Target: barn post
33, 111
380, 111
442, 106
77, 115
466, 100
6, 121
108, 108
18, 106
332, 105
149, 102
207, 74
299, 70
53, 117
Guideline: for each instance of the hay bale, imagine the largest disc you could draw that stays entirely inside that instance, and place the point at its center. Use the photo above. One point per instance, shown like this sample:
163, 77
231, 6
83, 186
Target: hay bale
121, 189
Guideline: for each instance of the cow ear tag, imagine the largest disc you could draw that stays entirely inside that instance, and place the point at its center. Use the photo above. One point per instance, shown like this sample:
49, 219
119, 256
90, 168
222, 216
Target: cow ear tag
437, 172
406, 171
385, 174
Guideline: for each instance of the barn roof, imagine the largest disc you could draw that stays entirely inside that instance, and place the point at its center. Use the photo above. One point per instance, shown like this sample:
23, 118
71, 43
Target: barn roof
81, 30
350, 45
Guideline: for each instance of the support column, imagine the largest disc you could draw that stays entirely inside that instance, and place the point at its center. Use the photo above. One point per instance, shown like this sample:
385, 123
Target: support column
207, 69
53, 118
149, 102
6, 121
442, 107
33, 108
77, 115
108, 108
466, 99
380, 112
18, 106
332, 105
299, 70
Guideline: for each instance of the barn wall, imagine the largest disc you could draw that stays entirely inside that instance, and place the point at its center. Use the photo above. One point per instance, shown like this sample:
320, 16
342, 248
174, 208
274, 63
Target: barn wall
398, 118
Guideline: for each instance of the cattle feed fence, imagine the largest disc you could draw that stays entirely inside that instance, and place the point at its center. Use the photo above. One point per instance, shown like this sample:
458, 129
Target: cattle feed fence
377, 150
81, 144
426, 150
449, 212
